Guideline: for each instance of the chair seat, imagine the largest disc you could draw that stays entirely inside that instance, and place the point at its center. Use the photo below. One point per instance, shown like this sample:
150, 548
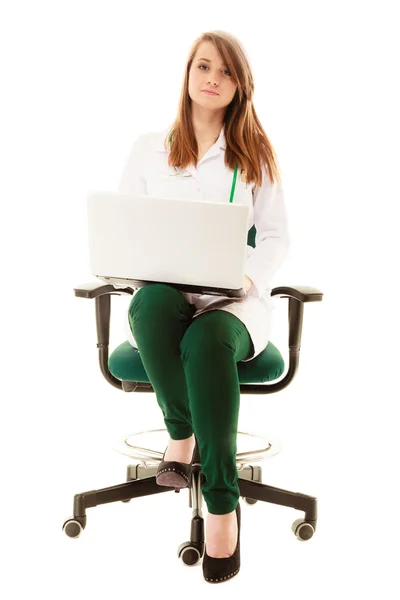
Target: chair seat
126, 365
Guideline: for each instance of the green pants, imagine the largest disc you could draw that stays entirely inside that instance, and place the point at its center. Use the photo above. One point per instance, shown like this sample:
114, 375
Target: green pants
191, 364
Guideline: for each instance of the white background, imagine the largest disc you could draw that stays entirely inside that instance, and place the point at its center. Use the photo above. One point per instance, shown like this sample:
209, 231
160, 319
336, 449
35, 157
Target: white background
80, 81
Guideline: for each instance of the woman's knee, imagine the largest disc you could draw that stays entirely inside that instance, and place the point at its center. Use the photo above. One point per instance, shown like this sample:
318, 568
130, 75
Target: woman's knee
209, 333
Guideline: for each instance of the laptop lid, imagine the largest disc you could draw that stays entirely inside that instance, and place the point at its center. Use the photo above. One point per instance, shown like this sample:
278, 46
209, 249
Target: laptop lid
197, 246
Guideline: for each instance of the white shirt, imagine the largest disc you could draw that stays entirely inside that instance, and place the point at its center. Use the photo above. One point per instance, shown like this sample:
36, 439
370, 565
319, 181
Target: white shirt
147, 172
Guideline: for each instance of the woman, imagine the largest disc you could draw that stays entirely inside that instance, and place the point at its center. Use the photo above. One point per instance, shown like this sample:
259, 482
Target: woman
190, 343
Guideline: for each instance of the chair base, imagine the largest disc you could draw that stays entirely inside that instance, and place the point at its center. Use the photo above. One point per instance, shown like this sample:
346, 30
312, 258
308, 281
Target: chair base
141, 481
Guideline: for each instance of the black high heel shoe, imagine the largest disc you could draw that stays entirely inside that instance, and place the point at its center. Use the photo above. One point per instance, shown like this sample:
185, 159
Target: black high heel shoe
172, 473
216, 570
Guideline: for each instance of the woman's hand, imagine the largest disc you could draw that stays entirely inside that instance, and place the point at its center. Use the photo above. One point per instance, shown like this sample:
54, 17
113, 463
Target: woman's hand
247, 283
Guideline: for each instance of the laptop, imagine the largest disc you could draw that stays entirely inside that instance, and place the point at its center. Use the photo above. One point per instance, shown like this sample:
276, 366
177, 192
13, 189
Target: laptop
196, 246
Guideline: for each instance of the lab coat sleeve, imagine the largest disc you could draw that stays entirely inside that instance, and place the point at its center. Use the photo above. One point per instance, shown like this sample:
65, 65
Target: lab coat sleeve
132, 180
272, 236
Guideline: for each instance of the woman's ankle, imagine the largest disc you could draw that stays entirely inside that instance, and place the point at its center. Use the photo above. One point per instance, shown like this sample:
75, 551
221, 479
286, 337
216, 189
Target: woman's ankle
187, 439
180, 450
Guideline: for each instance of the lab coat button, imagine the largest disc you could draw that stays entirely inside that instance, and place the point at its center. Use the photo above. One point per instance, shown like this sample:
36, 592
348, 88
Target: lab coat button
198, 189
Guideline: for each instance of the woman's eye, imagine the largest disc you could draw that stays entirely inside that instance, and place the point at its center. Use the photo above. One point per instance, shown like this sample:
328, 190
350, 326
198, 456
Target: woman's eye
225, 71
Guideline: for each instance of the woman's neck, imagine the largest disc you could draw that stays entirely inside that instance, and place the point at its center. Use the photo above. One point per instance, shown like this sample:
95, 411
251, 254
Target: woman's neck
207, 131
207, 137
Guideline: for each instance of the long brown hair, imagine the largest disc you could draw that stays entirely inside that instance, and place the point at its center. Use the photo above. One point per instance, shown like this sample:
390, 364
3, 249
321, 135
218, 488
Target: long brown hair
247, 144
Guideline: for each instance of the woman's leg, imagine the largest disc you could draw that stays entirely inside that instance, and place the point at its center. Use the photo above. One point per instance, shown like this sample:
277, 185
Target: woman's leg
192, 367
159, 316
212, 345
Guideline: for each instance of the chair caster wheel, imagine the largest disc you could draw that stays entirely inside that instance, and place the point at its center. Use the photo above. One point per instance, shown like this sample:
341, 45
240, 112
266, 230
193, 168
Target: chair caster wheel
303, 530
73, 527
189, 553
250, 500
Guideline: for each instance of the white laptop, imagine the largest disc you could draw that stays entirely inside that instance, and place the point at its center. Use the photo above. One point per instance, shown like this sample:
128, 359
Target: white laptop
196, 246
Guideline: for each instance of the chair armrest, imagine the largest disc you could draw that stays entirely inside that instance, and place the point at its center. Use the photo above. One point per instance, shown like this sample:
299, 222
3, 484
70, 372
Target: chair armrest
304, 293
93, 289
298, 295
102, 292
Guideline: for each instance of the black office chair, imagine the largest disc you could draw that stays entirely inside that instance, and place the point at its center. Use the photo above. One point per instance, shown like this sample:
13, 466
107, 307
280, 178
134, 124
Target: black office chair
124, 370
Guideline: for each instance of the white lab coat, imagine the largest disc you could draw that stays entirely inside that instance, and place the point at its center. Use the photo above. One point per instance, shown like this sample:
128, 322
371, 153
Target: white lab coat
147, 172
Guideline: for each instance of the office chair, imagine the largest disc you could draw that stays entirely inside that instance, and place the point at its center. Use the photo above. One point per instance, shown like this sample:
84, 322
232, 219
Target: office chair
124, 370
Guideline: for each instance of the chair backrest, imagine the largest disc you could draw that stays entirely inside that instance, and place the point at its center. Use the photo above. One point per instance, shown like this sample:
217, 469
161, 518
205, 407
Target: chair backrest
251, 238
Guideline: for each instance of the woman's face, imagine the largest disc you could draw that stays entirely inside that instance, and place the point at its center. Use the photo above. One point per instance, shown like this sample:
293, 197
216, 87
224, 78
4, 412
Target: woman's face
210, 74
